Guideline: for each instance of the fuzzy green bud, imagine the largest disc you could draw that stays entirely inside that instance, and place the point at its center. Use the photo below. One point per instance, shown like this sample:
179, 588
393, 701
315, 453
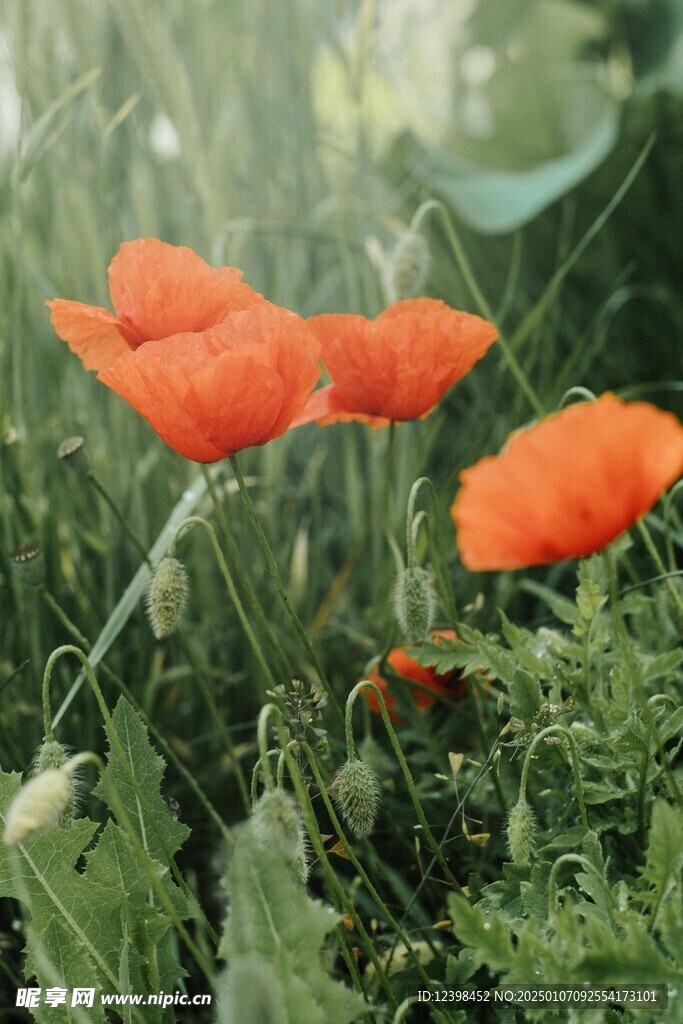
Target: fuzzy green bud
48, 756
39, 804
406, 266
357, 792
521, 833
276, 824
167, 597
415, 603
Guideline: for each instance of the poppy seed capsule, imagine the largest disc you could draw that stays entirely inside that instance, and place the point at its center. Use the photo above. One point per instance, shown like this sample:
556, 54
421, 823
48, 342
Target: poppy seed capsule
38, 804
358, 796
406, 267
28, 564
167, 597
74, 454
521, 833
414, 603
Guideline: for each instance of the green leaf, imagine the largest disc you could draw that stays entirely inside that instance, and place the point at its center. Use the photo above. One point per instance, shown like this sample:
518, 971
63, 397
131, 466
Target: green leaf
525, 696
484, 932
561, 607
272, 942
664, 858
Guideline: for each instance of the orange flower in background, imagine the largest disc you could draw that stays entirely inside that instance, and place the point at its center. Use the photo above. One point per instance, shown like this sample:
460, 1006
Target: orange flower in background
157, 290
396, 367
567, 486
212, 393
430, 683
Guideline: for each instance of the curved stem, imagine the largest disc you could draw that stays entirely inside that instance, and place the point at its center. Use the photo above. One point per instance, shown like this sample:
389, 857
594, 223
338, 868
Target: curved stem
435, 534
284, 596
561, 731
400, 756
575, 858
671, 584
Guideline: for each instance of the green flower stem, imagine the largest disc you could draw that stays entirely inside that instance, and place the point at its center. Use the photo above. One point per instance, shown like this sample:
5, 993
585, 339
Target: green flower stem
123, 522
262, 736
227, 740
484, 308
313, 831
557, 730
284, 596
671, 584
359, 867
187, 775
668, 509
239, 607
575, 858
435, 535
116, 744
282, 666
388, 494
436, 849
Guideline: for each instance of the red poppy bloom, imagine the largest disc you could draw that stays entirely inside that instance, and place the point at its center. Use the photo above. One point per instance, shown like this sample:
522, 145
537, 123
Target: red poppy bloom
157, 290
430, 684
208, 362
396, 367
567, 486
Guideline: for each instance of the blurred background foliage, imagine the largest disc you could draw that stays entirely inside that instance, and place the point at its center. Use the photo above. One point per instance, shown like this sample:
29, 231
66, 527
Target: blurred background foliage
296, 140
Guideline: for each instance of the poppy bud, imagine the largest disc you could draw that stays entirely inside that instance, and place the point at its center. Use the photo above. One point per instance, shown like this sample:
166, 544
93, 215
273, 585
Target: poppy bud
38, 804
276, 824
167, 597
51, 755
414, 603
74, 454
521, 833
358, 795
406, 267
28, 564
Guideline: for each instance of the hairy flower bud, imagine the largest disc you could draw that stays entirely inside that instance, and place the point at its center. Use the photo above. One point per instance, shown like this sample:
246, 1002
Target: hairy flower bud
276, 824
414, 603
406, 266
521, 833
167, 597
39, 803
48, 756
357, 793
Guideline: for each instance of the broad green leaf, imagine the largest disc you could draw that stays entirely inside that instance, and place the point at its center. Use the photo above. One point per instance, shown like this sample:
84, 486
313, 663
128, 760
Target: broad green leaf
525, 696
484, 932
664, 859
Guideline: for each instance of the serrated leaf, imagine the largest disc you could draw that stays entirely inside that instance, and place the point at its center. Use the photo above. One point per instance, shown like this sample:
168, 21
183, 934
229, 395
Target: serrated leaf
664, 858
561, 607
525, 696
482, 931
272, 942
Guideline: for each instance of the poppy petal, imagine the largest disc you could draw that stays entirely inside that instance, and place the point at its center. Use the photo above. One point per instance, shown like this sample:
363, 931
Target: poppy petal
91, 332
159, 290
326, 406
567, 486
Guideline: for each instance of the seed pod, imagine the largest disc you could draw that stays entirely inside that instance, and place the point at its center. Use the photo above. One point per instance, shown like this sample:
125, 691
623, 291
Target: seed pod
167, 597
74, 454
521, 833
39, 803
415, 603
28, 564
276, 824
357, 793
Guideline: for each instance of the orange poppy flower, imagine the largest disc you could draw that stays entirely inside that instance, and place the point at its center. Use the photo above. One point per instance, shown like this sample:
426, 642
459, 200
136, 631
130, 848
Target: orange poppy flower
567, 486
157, 290
430, 684
396, 367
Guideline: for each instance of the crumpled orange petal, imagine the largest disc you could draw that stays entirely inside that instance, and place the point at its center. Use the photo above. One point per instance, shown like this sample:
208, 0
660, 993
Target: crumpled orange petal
448, 684
400, 365
212, 393
92, 332
327, 406
567, 486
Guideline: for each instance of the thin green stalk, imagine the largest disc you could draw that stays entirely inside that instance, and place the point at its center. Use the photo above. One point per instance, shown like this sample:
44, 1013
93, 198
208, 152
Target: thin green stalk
283, 667
484, 308
393, 739
435, 534
116, 744
558, 730
387, 497
123, 522
575, 858
284, 596
671, 585
232, 590
83, 642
